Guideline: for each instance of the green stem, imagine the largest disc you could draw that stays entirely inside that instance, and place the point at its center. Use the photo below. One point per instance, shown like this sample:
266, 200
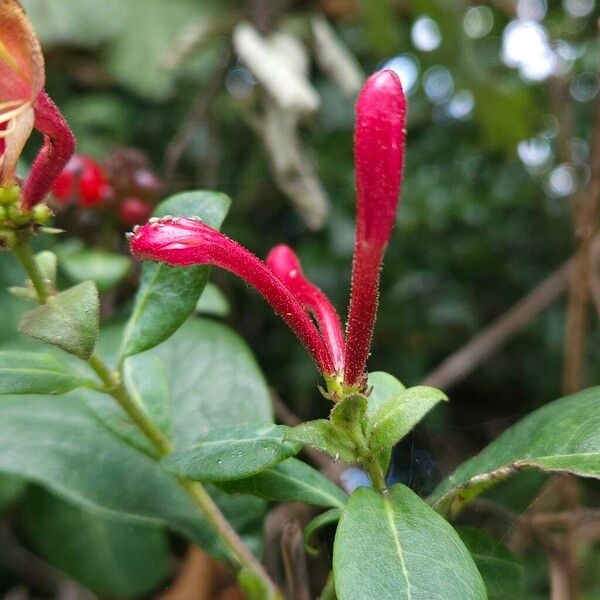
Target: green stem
369, 461
24, 254
114, 386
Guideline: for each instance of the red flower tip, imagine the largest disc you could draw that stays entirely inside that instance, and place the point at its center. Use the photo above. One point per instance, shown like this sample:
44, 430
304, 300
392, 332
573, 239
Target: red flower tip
182, 241
285, 263
379, 154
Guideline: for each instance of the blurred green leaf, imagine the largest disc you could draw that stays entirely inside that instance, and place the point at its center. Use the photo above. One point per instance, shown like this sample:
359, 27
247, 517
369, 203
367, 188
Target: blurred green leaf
105, 555
213, 302
502, 572
106, 269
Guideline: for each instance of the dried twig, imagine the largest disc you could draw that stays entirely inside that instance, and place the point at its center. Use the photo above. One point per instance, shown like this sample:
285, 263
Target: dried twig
196, 115
294, 561
586, 225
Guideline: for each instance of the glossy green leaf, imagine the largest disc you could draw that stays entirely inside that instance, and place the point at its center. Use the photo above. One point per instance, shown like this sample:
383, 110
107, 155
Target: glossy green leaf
146, 381
169, 295
36, 373
501, 570
562, 436
320, 521
61, 446
213, 302
326, 436
398, 415
232, 452
383, 387
106, 556
68, 320
106, 269
289, 481
394, 545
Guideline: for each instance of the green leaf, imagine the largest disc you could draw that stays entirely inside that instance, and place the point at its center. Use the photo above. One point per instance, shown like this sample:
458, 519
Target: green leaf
71, 453
326, 518
11, 489
398, 415
232, 452
169, 295
350, 409
61, 446
102, 554
36, 373
106, 269
68, 320
562, 436
393, 545
502, 572
289, 481
146, 381
213, 302
383, 387
326, 436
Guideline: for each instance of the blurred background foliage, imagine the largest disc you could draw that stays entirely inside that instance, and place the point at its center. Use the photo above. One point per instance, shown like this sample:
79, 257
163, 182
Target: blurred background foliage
501, 96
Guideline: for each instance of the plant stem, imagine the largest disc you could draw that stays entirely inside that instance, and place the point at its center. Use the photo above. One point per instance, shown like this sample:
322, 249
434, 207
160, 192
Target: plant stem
112, 381
24, 254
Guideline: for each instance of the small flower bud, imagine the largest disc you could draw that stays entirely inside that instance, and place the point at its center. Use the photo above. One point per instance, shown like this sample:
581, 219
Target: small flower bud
9, 195
41, 214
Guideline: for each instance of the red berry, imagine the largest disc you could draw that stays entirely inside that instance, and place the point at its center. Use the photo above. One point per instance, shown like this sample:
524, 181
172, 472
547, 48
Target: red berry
63, 185
93, 185
134, 211
84, 179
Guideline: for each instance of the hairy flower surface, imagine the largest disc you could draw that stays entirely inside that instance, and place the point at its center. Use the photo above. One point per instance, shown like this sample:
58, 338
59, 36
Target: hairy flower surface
184, 242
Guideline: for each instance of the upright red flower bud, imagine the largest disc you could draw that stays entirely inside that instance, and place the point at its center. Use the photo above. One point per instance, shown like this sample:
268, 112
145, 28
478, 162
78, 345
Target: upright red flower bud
184, 242
379, 153
285, 263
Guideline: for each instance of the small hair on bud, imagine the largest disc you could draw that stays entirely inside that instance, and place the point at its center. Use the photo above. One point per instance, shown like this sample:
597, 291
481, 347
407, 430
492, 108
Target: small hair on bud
129, 236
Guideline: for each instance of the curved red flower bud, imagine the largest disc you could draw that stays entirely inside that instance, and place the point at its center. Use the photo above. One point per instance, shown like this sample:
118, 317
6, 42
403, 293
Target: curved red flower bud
286, 264
184, 242
59, 145
379, 137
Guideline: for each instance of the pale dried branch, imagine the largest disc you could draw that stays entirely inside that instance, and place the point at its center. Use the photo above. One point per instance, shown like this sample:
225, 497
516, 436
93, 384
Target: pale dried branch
290, 90
334, 59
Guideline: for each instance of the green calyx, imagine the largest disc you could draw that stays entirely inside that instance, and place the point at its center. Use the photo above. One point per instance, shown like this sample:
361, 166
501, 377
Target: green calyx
9, 195
14, 219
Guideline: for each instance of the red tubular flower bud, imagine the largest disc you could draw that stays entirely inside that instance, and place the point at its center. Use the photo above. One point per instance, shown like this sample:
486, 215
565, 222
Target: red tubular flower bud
184, 242
379, 154
59, 145
285, 263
